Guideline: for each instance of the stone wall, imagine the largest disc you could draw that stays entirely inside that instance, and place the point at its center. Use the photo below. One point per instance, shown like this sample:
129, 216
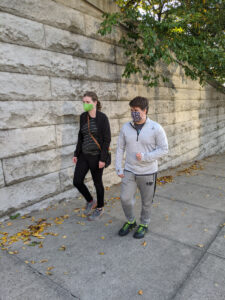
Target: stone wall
50, 53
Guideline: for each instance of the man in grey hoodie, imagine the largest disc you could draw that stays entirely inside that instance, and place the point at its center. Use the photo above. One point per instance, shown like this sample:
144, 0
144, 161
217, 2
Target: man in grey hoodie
144, 142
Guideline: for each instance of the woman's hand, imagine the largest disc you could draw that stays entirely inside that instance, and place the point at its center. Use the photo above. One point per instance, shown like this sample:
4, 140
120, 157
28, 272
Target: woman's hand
74, 159
101, 164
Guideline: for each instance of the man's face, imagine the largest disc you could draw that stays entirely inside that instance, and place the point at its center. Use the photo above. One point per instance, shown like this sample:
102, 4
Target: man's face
142, 112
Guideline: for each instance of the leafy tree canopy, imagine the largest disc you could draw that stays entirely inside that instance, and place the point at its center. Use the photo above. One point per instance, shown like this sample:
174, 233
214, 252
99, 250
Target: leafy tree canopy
190, 33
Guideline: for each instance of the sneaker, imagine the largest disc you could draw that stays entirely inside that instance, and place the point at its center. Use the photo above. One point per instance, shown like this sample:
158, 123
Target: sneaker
127, 227
89, 207
140, 232
97, 213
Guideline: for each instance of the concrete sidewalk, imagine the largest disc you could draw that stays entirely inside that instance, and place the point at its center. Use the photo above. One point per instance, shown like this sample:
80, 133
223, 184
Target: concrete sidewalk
182, 257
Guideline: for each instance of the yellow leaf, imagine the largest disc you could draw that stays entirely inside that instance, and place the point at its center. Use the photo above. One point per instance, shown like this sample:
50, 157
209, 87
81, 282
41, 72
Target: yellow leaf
32, 262
144, 243
206, 230
43, 260
106, 224
101, 253
9, 224
11, 252
64, 237
49, 273
200, 245
26, 262
102, 237
140, 292
76, 210
50, 268
62, 248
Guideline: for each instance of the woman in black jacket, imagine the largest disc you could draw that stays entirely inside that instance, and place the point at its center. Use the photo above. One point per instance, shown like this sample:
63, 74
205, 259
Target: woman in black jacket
91, 153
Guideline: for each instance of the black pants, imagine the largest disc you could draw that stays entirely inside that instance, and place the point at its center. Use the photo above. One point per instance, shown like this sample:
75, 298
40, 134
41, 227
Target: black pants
84, 164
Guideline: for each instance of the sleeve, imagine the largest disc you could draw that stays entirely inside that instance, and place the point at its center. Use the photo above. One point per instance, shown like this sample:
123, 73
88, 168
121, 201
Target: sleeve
79, 142
121, 144
161, 147
106, 140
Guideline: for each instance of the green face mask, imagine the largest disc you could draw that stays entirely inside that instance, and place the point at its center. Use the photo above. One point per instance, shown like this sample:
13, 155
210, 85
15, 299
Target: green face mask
88, 106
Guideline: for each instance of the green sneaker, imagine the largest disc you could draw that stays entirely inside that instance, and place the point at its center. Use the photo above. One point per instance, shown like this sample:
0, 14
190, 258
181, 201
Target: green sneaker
127, 227
140, 232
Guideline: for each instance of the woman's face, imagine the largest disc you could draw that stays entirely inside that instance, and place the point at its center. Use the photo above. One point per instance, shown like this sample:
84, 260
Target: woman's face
89, 100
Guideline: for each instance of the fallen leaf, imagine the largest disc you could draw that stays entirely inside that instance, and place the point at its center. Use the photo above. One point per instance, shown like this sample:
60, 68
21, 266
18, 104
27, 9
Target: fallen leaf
50, 268
26, 262
140, 292
102, 237
14, 217
62, 248
76, 210
206, 230
49, 273
110, 221
9, 224
144, 243
32, 262
101, 253
43, 260
64, 237
200, 245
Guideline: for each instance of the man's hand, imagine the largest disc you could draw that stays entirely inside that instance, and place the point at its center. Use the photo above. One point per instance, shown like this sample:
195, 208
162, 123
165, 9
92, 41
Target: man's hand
74, 159
101, 164
138, 156
121, 175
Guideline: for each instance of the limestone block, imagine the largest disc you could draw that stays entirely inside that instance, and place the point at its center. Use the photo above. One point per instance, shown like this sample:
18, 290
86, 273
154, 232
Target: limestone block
82, 6
40, 62
28, 192
64, 196
121, 58
24, 87
168, 93
133, 79
116, 109
66, 178
67, 134
19, 114
47, 12
111, 179
75, 44
126, 92
21, 31
20, 141
101, 71
93, 25
211, 94
37, 164
114, 126
2, 181
65, 89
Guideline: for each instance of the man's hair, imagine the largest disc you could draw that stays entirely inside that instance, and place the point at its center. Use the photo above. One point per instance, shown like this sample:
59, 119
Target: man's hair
140, 102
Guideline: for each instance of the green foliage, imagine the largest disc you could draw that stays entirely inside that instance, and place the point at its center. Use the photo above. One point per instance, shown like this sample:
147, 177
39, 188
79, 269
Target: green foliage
190, 33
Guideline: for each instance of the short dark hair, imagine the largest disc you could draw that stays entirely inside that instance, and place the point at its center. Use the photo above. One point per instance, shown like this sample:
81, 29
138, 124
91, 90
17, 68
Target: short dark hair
140, 102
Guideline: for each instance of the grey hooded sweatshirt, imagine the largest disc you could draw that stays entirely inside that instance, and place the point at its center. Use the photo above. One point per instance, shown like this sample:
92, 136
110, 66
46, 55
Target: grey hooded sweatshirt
151, 143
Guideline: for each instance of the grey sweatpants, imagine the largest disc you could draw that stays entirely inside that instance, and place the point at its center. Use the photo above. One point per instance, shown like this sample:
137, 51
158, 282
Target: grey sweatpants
146, 185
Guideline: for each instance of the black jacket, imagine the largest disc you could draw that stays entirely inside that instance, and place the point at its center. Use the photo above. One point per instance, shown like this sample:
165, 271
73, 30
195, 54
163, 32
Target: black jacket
103, 135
